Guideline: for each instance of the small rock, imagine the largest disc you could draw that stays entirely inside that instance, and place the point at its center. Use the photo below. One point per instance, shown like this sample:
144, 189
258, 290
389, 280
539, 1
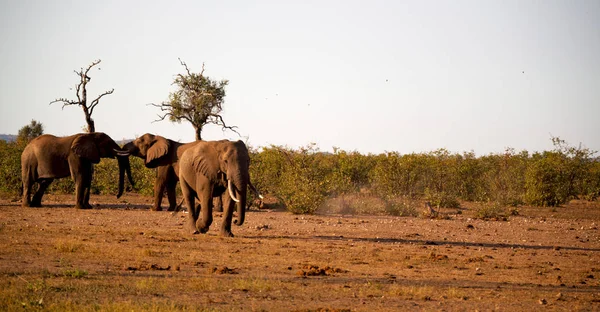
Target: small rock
543, 301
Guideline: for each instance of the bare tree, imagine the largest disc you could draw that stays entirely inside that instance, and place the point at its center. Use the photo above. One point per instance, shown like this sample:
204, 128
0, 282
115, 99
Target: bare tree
81, 92
198, 100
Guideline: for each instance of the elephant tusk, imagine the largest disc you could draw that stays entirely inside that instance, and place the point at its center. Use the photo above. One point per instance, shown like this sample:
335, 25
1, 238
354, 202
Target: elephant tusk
231, 192
121, 153
255, 191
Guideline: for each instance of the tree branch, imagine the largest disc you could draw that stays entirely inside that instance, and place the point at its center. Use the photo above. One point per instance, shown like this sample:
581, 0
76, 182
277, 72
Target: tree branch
65, 102
184, 65
167, 108
95, 102
221, 122
94, 63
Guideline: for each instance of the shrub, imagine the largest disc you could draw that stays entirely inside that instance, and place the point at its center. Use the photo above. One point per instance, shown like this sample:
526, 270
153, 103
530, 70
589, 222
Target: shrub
441, 199
401, 208
545, 181
303, 187
590, 184
491, 211
504, 177
303, 179
10, 168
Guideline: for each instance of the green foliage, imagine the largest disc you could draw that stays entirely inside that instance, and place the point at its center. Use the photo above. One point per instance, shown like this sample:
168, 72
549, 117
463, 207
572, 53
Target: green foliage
492, 211
401, 208
554, 177
442, 199
303, 183
143, 177
10, 168
545, 181
504, 177
75, 273
305, 179
30, 132
197, 100
590, 184
106, 177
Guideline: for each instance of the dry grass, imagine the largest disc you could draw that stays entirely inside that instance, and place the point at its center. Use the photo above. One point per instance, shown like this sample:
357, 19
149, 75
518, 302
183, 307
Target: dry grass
118, 259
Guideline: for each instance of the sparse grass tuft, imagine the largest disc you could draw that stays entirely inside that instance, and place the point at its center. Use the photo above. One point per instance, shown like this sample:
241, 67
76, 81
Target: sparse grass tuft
75, 273
491, 211
412, 292
68, 245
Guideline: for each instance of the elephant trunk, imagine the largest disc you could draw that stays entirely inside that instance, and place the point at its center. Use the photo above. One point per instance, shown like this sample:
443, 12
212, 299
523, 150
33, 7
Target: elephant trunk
124, 167
131, 149
239, 187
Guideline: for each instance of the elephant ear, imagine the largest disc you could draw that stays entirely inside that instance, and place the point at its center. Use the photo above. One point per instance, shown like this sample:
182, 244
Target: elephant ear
85, 147
157, 150
206, 161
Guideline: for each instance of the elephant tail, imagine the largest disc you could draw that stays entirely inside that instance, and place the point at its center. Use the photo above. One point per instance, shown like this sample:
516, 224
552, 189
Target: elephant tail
178, 208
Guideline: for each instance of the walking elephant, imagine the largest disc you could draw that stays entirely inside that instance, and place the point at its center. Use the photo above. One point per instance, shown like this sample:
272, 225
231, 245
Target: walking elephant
48, 157
163, 154
215, 169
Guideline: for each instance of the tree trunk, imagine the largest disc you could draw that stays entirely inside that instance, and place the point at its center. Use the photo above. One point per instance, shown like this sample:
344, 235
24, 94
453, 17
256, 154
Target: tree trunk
198, 133
91, 126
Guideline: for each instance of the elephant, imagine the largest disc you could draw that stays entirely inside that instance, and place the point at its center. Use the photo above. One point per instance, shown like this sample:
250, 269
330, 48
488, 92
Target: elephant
215, 169
48, 157
163, 154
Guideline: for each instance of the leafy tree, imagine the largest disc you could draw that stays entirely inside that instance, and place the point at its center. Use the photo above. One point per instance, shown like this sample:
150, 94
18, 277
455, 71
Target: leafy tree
30, 132
81, 92
198, 100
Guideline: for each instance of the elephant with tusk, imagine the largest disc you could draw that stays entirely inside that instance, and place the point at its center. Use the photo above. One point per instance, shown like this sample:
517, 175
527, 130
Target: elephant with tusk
48, 157
215, 169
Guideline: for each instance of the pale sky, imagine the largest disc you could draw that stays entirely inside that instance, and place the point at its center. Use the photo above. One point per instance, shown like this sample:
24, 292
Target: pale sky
370, 76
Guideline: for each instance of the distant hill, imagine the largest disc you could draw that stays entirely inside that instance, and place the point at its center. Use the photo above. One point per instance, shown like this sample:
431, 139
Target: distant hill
8, 137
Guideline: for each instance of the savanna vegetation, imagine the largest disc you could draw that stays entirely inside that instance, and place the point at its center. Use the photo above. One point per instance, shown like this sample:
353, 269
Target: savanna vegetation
302, 180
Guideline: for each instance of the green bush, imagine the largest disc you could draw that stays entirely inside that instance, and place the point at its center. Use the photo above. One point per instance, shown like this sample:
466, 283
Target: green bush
303, 179
303, 183
545, 181
401, 208
442, 199
503, 179
10, 168
590, 184
491, 211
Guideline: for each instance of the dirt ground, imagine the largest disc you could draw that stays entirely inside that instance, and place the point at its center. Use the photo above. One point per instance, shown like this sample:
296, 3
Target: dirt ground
120, 256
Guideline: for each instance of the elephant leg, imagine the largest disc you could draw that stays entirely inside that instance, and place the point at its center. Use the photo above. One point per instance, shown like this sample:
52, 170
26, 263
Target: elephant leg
86, 196
80, 193
159, 189
203, 223
27, 184
189, 196
229, 207
218, 204
171, 194
36, 201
